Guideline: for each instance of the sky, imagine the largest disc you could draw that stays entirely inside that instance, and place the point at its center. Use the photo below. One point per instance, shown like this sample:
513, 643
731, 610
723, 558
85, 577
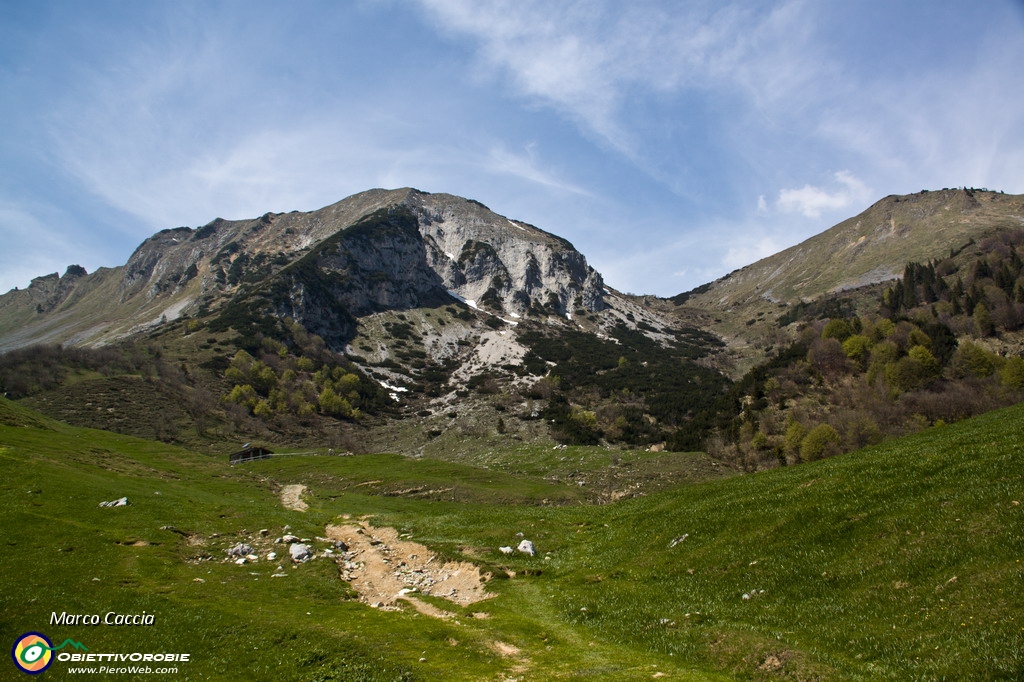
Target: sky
670, 141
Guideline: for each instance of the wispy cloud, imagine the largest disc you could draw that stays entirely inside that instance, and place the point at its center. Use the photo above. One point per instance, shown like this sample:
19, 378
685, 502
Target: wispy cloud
813, 201
750, 251
706, 131
589, 60
528, 166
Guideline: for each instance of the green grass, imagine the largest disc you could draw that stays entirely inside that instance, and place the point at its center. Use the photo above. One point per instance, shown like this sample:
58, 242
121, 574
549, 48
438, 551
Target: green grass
898, 562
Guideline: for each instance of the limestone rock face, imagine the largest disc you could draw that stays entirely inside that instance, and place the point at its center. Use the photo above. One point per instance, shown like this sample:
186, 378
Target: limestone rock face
425, 250
374, 251
503, 265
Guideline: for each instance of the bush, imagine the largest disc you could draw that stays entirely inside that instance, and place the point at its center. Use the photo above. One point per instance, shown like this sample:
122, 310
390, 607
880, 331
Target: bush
857, 347
1012, 374
821, 441
795, 433
838, 329
971, 359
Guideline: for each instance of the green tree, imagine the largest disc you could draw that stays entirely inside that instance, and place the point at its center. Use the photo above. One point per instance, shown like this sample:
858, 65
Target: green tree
971, 359
333, 404
819, 442
263, 410
1012, 374
913, 371
857, 348
244, 395
795, 433
928, 362
262, 377
837, 328
983, 324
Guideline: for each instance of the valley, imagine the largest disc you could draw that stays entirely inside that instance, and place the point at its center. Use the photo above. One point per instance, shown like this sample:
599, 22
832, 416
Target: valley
807, 469
898, 562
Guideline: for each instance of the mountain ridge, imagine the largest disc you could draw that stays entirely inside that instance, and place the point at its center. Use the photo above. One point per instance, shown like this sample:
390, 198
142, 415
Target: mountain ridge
748, 307
850, 254
409, 316
183, 271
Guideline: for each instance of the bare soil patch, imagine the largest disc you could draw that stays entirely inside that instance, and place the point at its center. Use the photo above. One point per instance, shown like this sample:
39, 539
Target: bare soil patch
384, 568
291, 497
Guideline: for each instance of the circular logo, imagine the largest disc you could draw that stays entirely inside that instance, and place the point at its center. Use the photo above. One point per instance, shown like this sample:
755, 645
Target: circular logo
32, 653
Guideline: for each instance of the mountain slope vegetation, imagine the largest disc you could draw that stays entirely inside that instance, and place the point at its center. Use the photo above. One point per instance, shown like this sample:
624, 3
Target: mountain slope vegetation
939, 344
897, 562
446, 375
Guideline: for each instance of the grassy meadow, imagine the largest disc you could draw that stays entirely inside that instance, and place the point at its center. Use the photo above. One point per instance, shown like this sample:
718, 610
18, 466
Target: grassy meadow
898, 562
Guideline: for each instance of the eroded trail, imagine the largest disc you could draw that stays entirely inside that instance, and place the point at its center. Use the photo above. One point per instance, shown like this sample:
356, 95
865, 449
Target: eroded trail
383, 568
291, 497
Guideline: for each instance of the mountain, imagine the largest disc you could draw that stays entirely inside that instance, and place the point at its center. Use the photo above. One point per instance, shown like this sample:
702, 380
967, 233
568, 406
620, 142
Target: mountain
745, 306
373, 251
459, 315
427, 324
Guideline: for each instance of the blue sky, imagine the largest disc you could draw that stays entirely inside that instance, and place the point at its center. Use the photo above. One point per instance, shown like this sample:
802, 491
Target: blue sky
670, 141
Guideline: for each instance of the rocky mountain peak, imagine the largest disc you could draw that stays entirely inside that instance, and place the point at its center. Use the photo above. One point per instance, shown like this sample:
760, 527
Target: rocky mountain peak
376, 250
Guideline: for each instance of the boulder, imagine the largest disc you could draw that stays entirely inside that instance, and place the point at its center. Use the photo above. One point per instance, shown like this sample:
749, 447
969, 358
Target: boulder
526, 547
119, 502
300, 552
240, 550
287, 539
505, 550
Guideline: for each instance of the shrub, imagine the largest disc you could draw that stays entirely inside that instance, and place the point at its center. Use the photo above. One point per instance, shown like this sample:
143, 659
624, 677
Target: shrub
838, 329
857, 348
1012, 374
795, 433
821, 441
971, 359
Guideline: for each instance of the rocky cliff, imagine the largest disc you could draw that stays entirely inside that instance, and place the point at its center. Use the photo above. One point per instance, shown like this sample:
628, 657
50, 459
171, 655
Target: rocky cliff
377, 250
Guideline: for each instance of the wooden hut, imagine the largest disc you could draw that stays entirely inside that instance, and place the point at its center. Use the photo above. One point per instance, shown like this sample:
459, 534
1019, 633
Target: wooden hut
248, 454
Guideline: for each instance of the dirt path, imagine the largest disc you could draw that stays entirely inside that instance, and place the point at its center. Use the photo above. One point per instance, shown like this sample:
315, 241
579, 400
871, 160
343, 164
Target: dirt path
383, 568
291, 497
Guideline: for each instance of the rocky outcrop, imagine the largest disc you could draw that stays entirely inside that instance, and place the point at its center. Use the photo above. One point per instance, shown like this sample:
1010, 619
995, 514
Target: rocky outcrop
374, 251
377, 264
412, 250
503, 265
50, 291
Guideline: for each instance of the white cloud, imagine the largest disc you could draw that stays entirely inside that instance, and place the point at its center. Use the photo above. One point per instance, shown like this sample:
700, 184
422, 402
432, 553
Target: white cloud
813, 201
589, 59
748, 252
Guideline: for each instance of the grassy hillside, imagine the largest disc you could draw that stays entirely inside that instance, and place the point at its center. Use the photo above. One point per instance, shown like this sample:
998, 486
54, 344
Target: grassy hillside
853, 259
897, 562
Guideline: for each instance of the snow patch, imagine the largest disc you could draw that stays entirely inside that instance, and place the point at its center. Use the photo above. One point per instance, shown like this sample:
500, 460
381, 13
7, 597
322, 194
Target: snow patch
515, 224
393, 390
471, 304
